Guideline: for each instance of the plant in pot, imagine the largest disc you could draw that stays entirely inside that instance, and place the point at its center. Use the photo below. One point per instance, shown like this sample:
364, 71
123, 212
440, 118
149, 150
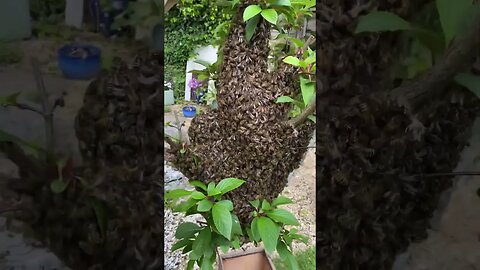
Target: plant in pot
210, 74
196, 86
222, 229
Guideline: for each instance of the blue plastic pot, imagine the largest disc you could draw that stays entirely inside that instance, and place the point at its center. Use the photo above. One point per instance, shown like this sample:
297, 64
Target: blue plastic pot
79, 66
189, 111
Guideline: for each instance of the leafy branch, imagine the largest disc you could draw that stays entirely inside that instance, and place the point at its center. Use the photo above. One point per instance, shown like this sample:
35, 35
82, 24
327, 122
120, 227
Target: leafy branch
305, 63
460, 23
270, 10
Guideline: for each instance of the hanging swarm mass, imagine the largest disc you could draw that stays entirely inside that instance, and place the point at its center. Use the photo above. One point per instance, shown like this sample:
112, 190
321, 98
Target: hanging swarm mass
247, 136
371, 208
118, 224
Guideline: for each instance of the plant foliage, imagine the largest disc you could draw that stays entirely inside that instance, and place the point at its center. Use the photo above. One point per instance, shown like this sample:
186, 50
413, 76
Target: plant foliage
453, 15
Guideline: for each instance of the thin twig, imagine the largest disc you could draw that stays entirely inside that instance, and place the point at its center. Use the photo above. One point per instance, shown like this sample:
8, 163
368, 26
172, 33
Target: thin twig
28, 108
464, 173
178, 125
46, 108
295, 122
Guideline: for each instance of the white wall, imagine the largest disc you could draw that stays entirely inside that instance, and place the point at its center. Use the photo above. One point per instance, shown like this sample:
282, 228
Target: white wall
209, 54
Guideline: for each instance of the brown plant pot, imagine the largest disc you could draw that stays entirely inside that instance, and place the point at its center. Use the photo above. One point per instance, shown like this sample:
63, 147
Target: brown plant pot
251, 259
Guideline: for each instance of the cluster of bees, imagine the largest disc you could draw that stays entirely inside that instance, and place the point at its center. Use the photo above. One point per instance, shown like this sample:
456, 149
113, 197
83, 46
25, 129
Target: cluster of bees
247, 136
372, 206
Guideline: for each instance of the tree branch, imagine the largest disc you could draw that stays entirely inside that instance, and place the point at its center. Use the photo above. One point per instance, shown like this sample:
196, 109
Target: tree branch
295, 122
457, 58
28, 108
47, 110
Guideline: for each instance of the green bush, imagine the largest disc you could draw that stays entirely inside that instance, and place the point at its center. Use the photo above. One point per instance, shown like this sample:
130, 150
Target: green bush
176, 75
188, 26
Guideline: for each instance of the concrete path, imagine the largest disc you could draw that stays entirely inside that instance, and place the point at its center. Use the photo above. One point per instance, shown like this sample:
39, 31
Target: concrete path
454, 241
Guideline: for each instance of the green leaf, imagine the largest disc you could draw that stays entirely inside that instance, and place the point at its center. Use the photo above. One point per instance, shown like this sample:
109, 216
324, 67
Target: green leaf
215, 191
26, 146
249, 233
311, 59
198, 195
469, 81
431, 39
212, 190
270, 15
181, 243
300, 237
9, 99
251, 11
308, 90
202, 242
254, 229
292, 60
184, 206
203, 63
236, 228
222, 219
207, 263
177, 193
266, 205
280, 200
297, 42
187, 230
187, 248
250, 27
229, 184
312, 118
287, 256
285, 3
452, 15
227, 204
255, 203
204, 205
283, 216
285, 99
224, 249
198, 184
190, 264
379, 21
100, 209
236, 243
194, 256
58, 186
269, 233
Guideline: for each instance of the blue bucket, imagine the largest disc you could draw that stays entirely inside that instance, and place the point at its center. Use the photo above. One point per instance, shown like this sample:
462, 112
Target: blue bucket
79, 66
189, 111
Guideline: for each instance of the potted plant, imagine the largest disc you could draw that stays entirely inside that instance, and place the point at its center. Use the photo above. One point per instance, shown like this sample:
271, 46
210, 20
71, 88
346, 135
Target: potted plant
210, 74
222, 230
253, 259
196, 86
